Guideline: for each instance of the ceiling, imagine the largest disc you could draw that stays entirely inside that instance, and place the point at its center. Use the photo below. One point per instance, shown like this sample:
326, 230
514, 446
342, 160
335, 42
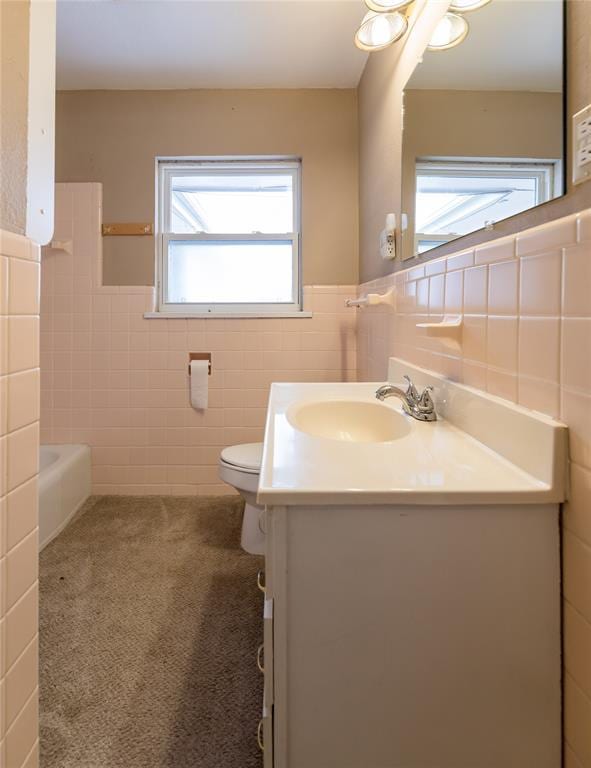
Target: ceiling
513, 45
156, 44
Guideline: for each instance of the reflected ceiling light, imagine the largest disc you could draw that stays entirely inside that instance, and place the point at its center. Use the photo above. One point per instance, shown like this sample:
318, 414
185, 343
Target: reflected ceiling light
450, 31
387, 6
462, 6
379, 30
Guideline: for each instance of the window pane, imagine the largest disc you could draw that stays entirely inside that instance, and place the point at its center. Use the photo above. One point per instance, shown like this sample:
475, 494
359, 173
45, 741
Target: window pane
230, 272
450, 204
232, 203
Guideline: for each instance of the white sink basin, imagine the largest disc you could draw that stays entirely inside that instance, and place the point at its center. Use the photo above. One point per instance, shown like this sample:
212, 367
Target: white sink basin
353, 421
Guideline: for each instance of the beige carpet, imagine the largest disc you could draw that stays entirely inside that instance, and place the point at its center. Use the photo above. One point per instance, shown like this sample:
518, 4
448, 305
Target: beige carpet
150, 621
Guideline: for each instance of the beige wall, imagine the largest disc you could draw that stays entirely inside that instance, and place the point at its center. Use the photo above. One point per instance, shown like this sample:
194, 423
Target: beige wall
113, 137
380, 105
444, 123
14, 92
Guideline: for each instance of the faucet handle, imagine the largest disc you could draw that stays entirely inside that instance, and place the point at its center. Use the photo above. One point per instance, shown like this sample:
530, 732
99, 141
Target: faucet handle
411, 392
425, 401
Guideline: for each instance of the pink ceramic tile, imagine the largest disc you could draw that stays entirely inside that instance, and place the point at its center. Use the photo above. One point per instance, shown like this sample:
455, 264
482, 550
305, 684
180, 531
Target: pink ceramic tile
577, 641
576, 354
570, 758
21, 681
476, 290
474, 338
577, 574
23, 290
576, 280
415, 273
21, 743
540, 284
454, 292
577, 512
23, 343
503, 284
15, 245
497, 250
21, 568
460, 261
21, 625
577, 715
557, 234
422, 295
584, 226
474, 374
23, 399
575, 410
436, 294
502, 343
502, 384
539, 395
539, 348
23, 455
435, 267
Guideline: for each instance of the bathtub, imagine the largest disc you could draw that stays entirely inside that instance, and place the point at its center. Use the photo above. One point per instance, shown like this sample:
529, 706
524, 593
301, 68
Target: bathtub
64, 485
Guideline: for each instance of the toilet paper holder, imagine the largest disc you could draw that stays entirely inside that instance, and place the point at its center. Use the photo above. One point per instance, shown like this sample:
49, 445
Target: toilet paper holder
200, 356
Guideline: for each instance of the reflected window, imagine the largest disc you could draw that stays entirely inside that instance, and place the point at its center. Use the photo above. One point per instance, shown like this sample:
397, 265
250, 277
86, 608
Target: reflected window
456, 198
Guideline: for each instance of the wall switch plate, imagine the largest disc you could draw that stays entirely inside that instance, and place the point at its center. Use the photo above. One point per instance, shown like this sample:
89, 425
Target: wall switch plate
582, 145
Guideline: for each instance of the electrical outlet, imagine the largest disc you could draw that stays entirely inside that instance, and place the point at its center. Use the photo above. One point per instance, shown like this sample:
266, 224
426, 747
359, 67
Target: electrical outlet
582, 145
584, 156
584, 128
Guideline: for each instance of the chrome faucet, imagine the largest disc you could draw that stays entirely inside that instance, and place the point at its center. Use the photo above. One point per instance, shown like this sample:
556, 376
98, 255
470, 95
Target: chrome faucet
420, 407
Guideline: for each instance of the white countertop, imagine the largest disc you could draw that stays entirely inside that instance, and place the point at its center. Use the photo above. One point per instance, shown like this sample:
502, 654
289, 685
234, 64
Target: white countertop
434, 463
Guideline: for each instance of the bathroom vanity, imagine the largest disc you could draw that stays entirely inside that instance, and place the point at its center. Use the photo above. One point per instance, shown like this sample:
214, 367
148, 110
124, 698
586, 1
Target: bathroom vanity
412, 580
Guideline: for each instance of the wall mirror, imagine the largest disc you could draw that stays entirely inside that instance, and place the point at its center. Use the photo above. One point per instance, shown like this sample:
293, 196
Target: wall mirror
483, 134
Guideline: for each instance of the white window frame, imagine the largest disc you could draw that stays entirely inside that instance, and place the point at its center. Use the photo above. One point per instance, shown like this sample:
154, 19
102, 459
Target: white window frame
166, 168
548, 173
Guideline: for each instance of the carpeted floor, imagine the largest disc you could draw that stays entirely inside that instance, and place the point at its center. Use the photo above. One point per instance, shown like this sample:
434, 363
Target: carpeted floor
150, 621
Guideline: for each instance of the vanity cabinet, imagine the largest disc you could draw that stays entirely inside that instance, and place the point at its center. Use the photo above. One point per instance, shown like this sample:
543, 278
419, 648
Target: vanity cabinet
412, 636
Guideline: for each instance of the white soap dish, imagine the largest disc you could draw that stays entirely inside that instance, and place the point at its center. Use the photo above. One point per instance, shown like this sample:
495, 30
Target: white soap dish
448, 331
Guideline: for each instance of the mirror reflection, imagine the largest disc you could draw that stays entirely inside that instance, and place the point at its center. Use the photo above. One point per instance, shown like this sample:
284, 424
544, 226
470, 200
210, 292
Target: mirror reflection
483, 124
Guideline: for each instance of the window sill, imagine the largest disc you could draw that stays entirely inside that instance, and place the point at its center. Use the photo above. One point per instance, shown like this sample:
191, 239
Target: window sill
224, 316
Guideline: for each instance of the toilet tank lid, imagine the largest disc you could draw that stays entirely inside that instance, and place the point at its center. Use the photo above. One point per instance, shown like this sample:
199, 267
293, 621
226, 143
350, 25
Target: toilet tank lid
247, 455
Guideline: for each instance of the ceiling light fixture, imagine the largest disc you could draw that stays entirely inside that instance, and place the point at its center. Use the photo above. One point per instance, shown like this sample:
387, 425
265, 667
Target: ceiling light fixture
379, 30
463, 6
450, 31
388, 6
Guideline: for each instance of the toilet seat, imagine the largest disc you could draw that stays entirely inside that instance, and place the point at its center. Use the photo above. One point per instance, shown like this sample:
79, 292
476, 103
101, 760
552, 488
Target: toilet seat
243, 458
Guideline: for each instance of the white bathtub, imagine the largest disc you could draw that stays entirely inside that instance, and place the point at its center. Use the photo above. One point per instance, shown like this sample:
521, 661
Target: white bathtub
64, 485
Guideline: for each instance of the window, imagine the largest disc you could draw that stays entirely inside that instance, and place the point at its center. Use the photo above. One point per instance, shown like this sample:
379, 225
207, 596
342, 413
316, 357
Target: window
229, 237
454, 198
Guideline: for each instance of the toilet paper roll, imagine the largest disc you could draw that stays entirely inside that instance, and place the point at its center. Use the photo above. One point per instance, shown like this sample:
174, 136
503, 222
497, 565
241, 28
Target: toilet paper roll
199, 383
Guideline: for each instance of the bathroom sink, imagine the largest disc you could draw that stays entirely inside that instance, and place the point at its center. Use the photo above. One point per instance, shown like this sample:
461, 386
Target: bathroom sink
353, 421
335, 443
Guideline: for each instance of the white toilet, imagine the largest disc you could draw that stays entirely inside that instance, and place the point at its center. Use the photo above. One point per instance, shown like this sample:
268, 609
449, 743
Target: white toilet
240, 466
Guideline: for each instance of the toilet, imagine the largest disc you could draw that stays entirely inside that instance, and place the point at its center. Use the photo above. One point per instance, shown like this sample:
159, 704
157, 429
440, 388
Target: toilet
240, 466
